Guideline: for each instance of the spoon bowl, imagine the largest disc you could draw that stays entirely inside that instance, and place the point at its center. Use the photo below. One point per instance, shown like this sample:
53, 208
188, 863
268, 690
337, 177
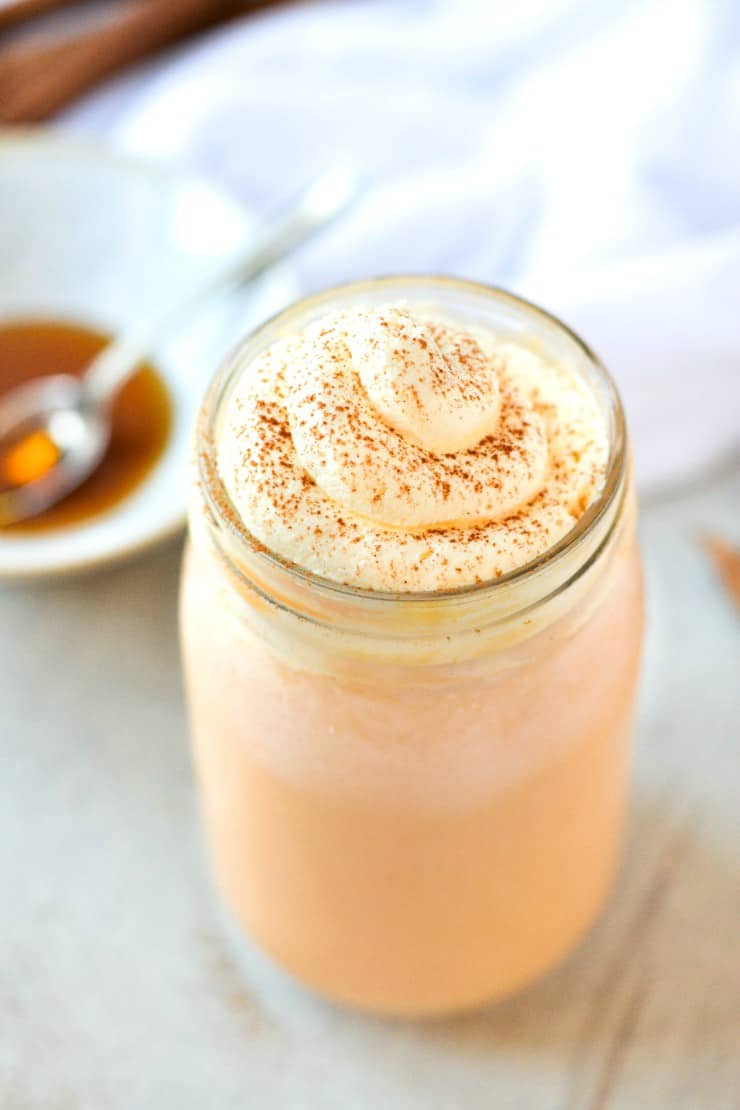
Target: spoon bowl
48, 428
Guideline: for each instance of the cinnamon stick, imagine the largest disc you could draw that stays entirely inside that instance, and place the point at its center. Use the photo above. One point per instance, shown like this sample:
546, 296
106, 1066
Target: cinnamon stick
17, 11
726, 561
39, 78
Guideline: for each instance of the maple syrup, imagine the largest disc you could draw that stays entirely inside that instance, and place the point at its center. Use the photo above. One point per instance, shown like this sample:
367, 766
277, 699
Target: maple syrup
141, 417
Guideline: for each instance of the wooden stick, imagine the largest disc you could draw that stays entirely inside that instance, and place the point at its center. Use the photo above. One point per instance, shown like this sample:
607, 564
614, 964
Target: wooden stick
17, 11
726, 560
39, 78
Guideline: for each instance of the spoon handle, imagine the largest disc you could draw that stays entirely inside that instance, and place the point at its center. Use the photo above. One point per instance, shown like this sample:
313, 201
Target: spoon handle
315, 208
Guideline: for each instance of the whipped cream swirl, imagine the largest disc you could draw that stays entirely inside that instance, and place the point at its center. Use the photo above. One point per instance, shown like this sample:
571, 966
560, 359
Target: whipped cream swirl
388, 449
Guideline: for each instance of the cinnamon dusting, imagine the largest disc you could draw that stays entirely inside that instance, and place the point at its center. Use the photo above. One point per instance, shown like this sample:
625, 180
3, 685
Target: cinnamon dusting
321, 476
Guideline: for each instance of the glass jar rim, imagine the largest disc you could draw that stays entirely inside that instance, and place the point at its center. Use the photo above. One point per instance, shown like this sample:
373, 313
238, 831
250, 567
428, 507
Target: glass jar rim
222, 511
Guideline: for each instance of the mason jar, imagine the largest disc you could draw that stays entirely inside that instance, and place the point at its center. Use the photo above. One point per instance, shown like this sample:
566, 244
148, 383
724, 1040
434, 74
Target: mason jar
414, 802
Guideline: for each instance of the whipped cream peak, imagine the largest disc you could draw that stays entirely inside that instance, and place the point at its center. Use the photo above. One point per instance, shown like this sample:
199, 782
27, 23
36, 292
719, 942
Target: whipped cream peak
393, 449
431, 383
364, 391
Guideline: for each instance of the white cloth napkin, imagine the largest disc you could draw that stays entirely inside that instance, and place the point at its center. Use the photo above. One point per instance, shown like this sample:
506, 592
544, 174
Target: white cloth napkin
581, 152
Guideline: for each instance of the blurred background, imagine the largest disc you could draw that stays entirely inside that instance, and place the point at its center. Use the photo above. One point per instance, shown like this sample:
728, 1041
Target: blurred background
582, 153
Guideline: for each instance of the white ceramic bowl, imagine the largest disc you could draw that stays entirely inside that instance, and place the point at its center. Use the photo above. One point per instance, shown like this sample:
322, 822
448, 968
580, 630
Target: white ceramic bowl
101, 240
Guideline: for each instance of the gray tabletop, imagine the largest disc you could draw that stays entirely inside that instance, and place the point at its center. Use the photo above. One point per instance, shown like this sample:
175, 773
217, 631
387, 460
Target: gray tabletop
119, 987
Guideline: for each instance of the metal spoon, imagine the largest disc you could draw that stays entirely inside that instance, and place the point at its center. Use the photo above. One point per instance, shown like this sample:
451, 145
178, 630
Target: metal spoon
74, 414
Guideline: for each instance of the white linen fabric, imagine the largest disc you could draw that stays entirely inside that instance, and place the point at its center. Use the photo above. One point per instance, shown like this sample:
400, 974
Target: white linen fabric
583, 154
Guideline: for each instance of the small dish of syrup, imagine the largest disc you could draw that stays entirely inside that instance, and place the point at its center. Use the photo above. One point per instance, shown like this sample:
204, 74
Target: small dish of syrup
87, 237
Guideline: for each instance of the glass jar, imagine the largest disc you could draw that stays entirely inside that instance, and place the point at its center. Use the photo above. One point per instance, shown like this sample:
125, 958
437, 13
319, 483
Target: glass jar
414, 802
